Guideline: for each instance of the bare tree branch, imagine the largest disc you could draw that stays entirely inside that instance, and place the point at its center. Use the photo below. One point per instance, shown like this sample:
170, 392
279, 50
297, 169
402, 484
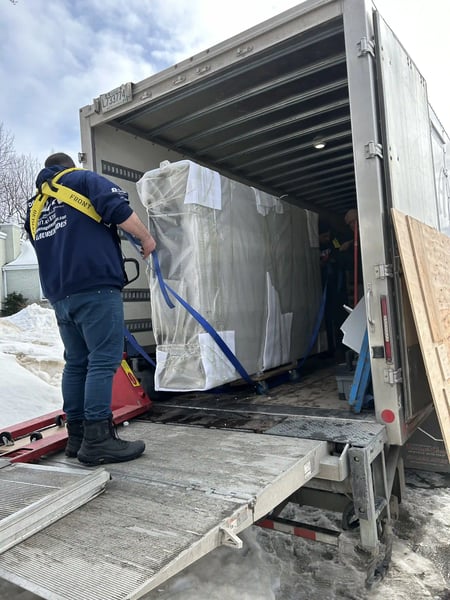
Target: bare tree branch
17, 176
6, 148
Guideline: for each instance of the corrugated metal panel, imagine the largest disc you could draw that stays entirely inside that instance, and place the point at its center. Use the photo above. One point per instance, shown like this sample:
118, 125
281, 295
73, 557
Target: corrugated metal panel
257, 119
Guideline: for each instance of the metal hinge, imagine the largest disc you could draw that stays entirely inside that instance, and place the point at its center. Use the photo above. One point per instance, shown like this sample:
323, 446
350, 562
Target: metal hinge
392, 376
383, 271
365, 47
373, 150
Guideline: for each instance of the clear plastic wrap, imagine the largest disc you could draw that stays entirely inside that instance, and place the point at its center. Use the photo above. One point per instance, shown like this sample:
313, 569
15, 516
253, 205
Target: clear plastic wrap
245, 260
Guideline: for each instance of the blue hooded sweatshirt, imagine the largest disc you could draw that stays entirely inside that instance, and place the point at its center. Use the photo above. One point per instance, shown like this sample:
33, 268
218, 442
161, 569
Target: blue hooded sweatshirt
75, 253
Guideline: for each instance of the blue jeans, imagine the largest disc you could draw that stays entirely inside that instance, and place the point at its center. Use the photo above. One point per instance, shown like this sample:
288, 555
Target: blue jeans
91, 327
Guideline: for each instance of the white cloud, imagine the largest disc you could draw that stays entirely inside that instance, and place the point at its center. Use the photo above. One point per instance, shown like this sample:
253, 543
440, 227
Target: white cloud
57, 55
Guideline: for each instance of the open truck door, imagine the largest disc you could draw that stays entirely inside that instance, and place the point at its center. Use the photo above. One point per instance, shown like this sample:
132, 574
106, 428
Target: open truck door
409, 174
389, 108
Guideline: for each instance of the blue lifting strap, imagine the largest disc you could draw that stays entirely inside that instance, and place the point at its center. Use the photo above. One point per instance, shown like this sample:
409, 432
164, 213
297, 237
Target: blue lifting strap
203, 322
197, 316
317, 325
162, 284
130, 338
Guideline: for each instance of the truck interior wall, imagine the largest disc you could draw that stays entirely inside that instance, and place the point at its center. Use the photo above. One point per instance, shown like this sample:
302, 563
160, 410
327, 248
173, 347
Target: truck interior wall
131, 156
124, 158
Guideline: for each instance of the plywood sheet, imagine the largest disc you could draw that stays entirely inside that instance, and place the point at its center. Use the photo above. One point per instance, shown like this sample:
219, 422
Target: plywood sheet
425, 256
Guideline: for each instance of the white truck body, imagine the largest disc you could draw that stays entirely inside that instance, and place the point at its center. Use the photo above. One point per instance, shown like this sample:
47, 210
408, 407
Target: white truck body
251, 108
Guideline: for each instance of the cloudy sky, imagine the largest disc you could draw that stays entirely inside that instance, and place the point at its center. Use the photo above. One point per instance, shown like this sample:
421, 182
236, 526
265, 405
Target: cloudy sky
57, 55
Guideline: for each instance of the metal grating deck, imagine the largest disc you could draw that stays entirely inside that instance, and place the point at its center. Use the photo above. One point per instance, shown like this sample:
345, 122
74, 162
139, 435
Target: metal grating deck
34, 496
193, 490
340, 431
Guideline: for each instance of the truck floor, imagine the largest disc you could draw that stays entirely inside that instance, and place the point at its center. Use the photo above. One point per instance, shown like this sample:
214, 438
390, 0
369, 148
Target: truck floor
313, 400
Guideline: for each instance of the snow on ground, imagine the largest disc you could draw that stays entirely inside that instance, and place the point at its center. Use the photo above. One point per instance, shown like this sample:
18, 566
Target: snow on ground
31, 362
274, 566
271, 565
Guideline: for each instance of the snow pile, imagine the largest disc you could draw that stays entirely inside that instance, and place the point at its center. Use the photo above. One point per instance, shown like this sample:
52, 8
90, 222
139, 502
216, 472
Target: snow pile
33, 319
31, 364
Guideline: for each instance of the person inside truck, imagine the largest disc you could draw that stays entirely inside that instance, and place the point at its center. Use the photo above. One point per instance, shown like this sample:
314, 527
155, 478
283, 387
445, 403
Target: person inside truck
72, 223
333, 277
349, 264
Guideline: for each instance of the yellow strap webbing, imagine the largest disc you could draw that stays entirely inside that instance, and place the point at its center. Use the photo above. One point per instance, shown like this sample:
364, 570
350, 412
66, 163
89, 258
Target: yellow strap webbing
64, 194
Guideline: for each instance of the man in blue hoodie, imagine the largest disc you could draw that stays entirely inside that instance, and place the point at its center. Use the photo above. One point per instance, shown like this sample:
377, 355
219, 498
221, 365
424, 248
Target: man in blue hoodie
82, 275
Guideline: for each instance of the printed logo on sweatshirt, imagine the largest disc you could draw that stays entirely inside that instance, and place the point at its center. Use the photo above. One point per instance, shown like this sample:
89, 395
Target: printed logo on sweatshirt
50, 221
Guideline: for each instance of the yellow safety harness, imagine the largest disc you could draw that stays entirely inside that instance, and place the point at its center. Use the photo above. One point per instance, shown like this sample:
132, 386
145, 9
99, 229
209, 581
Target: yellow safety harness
52, 189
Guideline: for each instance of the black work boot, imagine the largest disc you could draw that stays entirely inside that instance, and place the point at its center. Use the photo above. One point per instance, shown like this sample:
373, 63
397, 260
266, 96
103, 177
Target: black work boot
75, 431
101, 444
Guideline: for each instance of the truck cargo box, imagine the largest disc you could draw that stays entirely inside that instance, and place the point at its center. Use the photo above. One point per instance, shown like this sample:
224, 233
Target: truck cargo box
322, 107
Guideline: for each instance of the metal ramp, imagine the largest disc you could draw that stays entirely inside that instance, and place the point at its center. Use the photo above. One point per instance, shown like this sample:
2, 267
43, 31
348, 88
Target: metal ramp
193, 490
34, 496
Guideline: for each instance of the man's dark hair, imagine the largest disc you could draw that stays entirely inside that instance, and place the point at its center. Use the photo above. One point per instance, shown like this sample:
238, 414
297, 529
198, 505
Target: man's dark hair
60, 159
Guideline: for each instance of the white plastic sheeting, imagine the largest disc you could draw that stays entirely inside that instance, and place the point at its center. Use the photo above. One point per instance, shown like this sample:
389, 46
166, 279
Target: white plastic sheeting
245, 260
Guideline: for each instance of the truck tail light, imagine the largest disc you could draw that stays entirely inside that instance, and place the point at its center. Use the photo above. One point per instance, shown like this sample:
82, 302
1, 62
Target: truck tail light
388, 416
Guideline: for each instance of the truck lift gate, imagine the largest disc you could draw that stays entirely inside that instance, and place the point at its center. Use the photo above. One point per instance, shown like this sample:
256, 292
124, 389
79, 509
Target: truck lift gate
193, 490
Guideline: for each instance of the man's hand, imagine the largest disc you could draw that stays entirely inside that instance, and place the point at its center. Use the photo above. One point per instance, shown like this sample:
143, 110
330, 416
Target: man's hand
135, 226
147, 247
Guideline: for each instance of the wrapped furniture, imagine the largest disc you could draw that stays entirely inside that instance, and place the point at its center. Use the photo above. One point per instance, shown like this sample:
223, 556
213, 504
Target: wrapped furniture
245, 260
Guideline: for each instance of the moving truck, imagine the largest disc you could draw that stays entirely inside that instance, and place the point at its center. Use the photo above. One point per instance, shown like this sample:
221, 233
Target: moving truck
254, 109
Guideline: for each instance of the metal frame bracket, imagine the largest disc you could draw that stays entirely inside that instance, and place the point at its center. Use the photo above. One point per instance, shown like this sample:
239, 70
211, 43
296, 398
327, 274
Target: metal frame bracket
230, 539
393, 376
366, 47
373, 150
384, 271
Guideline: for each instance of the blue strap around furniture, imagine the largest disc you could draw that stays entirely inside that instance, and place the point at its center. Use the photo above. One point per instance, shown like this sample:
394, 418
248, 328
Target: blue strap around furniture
203, 322
197, 316
132, 340
161, 281
317, 325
